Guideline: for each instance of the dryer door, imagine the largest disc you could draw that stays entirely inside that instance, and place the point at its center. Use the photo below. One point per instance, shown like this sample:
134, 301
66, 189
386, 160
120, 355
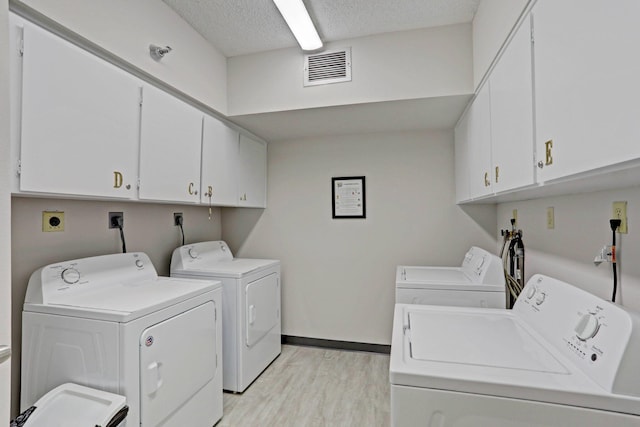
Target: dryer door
263, 308
177, 358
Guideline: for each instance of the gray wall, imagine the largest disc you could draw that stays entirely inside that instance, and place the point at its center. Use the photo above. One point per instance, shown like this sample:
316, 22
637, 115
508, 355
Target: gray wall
338, 276
148, 228
423, 63
126, 28
581, 229
5, 214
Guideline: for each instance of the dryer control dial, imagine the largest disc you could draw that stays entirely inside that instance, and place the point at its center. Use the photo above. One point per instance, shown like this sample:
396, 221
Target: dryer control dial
531, 292
139, 263
193, 253
70, 275
587, 327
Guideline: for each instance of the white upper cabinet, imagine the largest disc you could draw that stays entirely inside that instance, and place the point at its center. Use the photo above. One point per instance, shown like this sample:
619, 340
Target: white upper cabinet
461, 150
252, 173
170, 148
219, 184
586, 85
512, 145
479, 145
80, 121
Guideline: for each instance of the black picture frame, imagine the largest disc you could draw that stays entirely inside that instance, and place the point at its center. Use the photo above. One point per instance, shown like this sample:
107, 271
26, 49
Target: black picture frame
348, 197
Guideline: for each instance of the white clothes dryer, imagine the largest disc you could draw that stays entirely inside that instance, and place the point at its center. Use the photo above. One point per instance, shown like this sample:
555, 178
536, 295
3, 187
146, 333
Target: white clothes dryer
251, 331
110, 323
478, 282
560, 357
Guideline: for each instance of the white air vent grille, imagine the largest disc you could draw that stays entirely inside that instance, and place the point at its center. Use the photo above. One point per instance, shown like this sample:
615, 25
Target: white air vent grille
327, 67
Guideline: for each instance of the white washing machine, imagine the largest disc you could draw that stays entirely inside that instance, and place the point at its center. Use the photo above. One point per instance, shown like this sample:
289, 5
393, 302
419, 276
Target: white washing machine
251, 331
110, 323
561, 357
478, 282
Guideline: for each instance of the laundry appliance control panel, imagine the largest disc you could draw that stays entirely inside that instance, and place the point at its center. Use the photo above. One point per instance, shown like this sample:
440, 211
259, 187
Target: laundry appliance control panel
591, 332
56, 281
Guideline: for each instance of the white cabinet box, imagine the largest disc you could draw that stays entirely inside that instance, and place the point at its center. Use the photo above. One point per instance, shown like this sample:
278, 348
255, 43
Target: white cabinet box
170, 145
587, 86
252, 173
79, 121
512, 115
219, 180
479, 144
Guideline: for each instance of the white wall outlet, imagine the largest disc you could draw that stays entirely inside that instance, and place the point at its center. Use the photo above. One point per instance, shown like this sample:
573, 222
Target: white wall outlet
620, 212
551, 223
52, 221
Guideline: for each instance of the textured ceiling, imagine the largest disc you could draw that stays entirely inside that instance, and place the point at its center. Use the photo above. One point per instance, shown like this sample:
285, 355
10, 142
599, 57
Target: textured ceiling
238, 27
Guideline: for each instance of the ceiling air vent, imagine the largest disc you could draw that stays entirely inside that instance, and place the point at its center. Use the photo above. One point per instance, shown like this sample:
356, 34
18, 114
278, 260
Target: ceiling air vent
327, 67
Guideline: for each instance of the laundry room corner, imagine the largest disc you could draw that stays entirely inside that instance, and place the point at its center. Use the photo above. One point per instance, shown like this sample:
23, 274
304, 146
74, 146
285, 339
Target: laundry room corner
338, 275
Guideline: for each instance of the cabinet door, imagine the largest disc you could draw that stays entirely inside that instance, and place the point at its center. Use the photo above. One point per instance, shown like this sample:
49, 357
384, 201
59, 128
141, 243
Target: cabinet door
586, 84
252, 170
511, 86
80, 121
479, 144
170, 145
462, 159
219, 159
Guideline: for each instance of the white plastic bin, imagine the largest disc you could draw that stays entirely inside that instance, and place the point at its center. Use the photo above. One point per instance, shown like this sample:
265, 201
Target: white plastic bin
72, 405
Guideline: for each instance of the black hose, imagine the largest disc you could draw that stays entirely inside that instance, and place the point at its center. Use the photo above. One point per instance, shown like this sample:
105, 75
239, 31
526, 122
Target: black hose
613, 264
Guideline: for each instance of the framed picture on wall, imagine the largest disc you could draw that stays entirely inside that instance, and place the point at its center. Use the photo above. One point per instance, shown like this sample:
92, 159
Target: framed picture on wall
348, 197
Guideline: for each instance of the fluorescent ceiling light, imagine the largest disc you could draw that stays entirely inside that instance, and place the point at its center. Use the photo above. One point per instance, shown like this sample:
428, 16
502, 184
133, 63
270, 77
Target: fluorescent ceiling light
299, 21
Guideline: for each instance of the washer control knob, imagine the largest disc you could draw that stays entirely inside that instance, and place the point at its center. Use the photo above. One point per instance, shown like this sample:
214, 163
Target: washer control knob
139, 263
531, 292
540, 298
587, 327
70, 275
193, 253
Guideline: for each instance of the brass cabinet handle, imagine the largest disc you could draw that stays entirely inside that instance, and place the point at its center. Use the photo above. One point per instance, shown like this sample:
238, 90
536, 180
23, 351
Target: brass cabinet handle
547, 150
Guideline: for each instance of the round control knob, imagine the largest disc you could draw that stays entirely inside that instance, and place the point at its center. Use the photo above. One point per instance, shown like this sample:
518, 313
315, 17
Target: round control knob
193, 253
587, 327
70, 275
531, 292
540, 298
139, 263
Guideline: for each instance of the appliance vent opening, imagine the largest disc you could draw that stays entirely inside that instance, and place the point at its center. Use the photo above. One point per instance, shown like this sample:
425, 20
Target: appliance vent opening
327, 67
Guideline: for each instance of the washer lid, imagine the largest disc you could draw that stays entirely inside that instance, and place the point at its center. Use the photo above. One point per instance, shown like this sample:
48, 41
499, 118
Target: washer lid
478, 339
441, 278
235, 268
123, 302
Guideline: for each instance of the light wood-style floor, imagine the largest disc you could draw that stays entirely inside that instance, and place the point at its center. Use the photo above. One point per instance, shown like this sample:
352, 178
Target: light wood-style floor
308, 387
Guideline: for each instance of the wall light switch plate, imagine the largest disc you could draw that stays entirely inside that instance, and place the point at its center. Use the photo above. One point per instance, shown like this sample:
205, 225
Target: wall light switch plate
551, 222
52, 221
620, 212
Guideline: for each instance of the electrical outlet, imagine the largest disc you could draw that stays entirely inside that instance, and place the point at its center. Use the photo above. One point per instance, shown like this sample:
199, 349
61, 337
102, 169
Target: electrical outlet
52, 221
113, 219
514, 215
550, 218
177, 218
620, 212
